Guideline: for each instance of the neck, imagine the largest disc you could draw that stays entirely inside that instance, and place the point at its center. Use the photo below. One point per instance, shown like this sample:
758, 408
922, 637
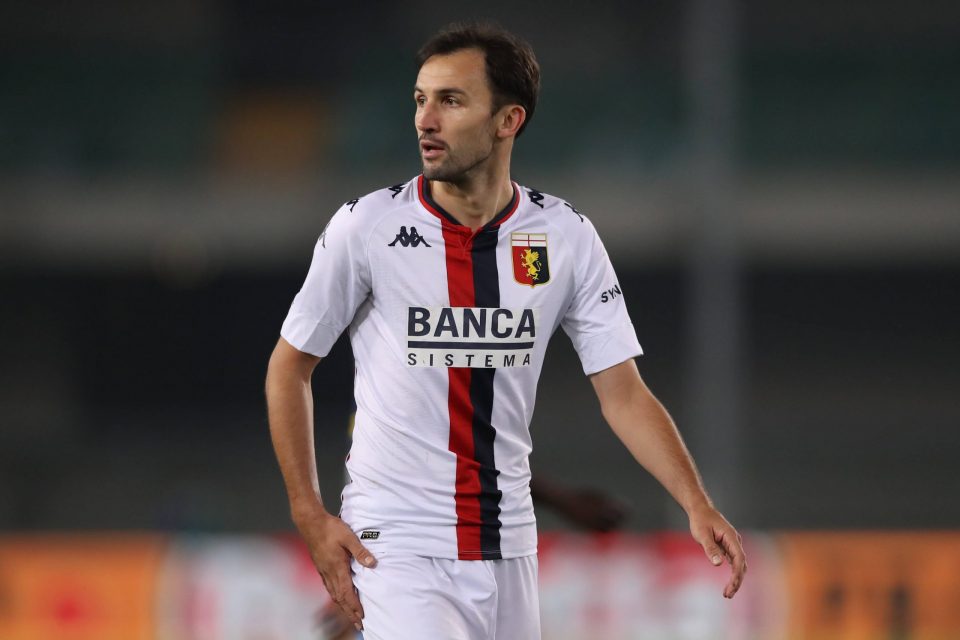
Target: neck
477, 199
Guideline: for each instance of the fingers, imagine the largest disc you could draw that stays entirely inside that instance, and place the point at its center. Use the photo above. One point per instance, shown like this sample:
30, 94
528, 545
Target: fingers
348, 601
333, 622
733, 550
344, 595
360, 552
725, 543
334, 566
715, 553
738, 569
347, 597
720, 540
736, 578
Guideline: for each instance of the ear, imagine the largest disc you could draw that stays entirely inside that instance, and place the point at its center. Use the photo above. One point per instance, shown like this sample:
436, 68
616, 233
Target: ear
510, 119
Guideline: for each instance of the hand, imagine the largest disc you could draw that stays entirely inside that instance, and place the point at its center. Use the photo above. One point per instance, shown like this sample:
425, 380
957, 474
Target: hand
332, 544
720, 540
590, 509
333, 624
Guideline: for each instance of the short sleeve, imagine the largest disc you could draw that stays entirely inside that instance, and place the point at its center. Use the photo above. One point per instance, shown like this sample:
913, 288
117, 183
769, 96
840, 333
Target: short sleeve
597, 320
336, 285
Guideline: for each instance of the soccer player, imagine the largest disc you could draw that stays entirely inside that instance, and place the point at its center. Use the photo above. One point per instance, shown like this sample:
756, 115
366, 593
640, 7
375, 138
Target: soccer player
451, 285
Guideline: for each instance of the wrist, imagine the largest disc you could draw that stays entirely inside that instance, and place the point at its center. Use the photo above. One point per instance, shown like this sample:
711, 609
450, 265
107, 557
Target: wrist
308, 509
697, 504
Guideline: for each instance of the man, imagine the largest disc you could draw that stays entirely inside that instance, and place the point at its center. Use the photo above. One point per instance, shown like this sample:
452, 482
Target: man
451, 284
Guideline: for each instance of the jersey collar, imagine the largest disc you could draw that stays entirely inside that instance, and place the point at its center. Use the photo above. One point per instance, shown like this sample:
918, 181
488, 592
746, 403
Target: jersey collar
423, 192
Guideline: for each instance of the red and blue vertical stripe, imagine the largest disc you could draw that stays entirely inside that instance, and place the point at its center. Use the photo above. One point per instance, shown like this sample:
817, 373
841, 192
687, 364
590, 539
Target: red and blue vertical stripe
473, 281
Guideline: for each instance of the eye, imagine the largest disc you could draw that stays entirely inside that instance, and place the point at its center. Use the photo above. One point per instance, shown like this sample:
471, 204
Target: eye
450, 100
419, 100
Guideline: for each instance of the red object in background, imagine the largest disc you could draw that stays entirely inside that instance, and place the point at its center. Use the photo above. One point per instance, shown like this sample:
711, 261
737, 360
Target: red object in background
78, 587
627, 586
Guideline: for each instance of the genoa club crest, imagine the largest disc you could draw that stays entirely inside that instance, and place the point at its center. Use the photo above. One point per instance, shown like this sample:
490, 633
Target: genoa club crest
529, 255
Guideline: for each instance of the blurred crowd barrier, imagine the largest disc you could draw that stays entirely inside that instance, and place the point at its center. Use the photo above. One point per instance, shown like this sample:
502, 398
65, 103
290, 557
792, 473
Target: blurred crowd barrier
855, 585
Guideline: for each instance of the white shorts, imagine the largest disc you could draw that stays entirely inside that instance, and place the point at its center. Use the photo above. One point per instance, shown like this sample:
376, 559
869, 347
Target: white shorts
408, 597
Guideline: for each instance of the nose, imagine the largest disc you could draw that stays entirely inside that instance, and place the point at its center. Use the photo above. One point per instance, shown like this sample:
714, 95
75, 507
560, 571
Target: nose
426, 119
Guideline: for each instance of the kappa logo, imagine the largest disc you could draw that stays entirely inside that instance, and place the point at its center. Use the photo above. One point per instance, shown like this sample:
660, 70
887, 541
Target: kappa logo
536, 197
412, 239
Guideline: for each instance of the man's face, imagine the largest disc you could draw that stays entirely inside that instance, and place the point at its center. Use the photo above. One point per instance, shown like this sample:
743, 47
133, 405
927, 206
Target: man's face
454, 121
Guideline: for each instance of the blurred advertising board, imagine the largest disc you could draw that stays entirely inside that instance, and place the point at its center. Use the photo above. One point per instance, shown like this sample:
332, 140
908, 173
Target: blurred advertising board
657, 586
821, 586
239, 588
78, 587
868, 585
611, 587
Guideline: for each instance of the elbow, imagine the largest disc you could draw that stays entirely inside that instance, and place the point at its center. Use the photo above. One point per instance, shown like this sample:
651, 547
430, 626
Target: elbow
624, 406
611, 409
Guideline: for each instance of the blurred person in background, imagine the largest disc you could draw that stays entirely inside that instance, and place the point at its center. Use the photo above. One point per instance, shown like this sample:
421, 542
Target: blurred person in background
451, 295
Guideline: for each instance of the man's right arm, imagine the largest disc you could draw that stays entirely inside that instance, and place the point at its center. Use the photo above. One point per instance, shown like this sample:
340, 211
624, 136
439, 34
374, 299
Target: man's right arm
329, 539
290, 410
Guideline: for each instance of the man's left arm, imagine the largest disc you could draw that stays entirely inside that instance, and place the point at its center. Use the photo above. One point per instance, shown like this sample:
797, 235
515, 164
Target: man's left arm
648, 432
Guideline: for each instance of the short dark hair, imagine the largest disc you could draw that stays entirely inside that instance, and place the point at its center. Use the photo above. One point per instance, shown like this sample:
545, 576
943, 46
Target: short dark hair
512, 69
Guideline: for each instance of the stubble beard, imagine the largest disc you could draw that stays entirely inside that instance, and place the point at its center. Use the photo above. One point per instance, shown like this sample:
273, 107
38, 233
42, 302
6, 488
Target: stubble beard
453, 171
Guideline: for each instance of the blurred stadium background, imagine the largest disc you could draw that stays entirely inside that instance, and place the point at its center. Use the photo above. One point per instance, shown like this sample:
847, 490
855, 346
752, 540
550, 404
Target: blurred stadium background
778, 184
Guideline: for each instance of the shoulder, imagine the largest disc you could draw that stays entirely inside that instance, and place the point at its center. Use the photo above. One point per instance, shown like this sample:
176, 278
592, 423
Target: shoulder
382, 201
559, 213
361, 214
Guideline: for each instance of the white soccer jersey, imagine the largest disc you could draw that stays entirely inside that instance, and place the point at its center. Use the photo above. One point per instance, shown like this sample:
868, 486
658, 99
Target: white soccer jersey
449, 328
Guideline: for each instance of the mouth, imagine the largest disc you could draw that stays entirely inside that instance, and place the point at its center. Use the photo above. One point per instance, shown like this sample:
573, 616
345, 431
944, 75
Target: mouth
430, 149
